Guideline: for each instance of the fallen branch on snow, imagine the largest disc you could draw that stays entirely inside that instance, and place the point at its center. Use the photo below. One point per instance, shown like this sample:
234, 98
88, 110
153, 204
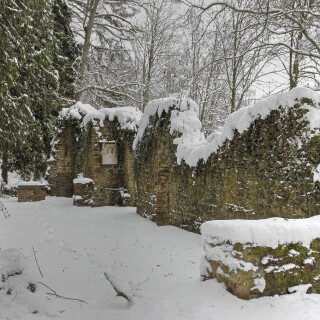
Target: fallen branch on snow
118, 287
35, 257
59, 296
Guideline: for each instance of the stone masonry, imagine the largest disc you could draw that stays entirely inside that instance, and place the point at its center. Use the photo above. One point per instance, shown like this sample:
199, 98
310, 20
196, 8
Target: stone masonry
264, 271
113, 184
261, 173
60, 177
83, 193
28, 193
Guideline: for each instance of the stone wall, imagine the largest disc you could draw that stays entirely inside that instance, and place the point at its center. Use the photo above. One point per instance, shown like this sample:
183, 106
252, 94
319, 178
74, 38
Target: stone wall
266, 171
265, 271
30, 193
153, 171
78, 151
60, 173
109, 180
264, 257
83, 193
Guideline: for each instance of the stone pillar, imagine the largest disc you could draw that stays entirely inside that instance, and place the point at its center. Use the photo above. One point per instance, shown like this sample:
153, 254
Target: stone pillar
83, 192
60, 168
162, 199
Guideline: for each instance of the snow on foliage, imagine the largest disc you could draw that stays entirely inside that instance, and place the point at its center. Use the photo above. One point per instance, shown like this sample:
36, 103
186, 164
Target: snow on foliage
13, 180
264, 232
192, 146
128, 117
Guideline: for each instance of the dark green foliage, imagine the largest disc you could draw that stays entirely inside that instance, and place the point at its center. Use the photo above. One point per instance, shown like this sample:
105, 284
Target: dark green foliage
145, 146
35, 46
66, 51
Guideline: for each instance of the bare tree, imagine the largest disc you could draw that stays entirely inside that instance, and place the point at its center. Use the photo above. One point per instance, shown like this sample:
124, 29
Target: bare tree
289, 24
244, 58
155, 47
104, 27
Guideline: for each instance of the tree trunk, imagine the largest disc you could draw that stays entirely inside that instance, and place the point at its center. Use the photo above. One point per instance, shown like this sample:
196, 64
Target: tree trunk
86, 47
4, 167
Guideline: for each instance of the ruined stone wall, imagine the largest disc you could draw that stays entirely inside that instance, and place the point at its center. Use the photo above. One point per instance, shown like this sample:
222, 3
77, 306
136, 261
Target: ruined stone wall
108, 179
263, 271
129, 181
153, 171
60, 175
78, 151
264, 257
264, 172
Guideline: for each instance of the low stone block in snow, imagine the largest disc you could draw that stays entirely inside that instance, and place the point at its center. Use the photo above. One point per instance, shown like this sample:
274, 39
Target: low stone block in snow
31, 191
262, 257
83, 192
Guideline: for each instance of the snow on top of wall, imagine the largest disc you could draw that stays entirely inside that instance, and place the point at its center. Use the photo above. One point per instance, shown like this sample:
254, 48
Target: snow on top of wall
31, 183
264, 232
242, 119
128, 117
184, 119
192, 146
82, 180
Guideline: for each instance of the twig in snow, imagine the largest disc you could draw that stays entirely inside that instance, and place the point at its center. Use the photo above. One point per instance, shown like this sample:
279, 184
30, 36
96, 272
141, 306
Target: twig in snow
15, 296
140, 283
35, 257
120, 292
310, 300
59, 296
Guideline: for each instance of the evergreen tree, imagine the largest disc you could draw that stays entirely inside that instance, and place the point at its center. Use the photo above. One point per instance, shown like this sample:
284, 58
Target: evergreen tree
14, 109
39, 80
36, 45
66, 50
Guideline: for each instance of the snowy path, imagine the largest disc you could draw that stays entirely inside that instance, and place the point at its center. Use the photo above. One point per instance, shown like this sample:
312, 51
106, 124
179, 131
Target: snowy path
76, 245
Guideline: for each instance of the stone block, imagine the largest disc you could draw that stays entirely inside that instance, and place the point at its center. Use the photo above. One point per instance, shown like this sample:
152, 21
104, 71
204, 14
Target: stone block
31, 192
272, 271
83, 193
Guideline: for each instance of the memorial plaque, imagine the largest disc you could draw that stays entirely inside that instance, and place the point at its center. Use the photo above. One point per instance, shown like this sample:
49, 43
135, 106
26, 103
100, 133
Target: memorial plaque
109, 154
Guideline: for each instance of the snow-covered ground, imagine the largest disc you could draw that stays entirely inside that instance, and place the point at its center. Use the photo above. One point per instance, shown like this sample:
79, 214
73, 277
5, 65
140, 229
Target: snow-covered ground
160, 266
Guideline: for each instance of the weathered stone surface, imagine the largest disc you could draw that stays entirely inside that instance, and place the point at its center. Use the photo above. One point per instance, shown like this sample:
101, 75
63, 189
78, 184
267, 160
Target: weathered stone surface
110, 180
83, 194
266, 171
60, 177
79, 151
272, 271
31, 193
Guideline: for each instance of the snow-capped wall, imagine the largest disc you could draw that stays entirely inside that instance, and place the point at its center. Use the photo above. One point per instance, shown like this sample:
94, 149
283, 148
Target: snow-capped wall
262, 257
192, 146
80, 149
262, 163
184, 119
128, 117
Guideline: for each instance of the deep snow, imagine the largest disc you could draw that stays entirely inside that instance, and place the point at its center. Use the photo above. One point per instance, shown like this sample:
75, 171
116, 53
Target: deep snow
160, 266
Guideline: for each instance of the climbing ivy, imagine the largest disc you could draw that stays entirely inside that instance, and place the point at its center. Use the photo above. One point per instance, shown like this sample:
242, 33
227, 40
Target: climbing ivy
146, 144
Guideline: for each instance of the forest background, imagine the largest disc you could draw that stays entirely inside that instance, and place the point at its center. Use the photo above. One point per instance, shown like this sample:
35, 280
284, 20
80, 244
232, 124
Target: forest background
224, 54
